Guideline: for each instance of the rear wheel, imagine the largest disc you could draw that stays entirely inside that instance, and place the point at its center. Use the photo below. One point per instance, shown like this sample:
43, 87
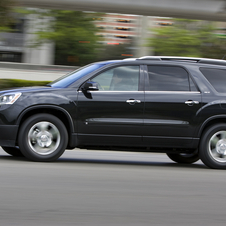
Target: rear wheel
43, 137
212, 147
186, 158
14, 151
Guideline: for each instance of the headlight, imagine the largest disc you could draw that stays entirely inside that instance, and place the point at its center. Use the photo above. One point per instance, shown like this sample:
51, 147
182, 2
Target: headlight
9, 98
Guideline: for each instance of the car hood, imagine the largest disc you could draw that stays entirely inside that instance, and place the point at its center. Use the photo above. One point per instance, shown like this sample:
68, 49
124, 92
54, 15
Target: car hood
27, 89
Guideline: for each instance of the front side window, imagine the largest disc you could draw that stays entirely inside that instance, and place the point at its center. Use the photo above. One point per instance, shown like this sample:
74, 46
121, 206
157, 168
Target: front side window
123, 78
168, 78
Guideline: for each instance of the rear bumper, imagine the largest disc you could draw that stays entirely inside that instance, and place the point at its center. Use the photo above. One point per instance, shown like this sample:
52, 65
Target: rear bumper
8, 135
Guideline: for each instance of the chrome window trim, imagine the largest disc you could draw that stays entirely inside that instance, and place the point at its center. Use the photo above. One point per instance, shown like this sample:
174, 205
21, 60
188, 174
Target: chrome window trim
194, 92
112, 91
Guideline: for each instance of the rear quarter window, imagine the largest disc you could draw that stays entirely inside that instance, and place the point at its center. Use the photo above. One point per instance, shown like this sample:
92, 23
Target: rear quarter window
216, 77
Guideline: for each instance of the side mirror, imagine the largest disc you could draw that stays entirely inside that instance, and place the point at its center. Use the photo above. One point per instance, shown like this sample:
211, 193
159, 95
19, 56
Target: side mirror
91, 86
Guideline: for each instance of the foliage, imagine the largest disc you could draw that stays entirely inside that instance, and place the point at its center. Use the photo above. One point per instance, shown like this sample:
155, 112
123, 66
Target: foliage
73, 33
112, 52
188, 38
212, 46
9, 83
6, 17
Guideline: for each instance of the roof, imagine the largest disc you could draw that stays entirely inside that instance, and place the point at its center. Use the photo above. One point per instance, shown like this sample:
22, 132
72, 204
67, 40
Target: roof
184, 59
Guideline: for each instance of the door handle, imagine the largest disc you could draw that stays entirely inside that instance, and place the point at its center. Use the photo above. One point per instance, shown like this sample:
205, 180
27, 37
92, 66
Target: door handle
191, 102
131, 101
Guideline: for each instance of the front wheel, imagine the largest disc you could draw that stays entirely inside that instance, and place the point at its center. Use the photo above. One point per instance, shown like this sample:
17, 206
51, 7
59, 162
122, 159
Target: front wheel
212, 147
186, 158
42, 137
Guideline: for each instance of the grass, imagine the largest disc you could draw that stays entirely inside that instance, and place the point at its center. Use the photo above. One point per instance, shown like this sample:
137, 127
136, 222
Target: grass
12, 83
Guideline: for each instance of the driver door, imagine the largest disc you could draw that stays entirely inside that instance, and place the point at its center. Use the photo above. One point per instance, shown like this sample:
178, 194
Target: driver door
113, 114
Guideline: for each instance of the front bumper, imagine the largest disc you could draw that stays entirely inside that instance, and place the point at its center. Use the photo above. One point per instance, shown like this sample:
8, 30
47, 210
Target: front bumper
8, 135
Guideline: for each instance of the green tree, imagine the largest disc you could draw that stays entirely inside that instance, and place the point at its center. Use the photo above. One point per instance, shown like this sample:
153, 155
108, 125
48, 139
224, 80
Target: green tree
74, 35
212, 45
112, 52
188, 38
6, 17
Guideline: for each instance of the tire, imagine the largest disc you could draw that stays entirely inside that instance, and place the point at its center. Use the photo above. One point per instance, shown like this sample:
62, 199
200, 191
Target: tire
212, 148
42, 137
14, 151
186, 158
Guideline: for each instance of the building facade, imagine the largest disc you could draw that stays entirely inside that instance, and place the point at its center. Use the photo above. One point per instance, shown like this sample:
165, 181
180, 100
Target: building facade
18, 44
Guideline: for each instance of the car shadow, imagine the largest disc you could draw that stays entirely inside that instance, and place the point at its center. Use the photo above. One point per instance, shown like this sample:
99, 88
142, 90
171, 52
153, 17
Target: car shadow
130, 162
146, 163
108, 161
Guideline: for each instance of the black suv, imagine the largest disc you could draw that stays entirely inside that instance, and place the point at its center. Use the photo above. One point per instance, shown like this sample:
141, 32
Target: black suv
175, 105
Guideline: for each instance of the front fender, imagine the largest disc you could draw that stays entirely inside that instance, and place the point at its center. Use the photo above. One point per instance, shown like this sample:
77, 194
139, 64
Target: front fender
36, 107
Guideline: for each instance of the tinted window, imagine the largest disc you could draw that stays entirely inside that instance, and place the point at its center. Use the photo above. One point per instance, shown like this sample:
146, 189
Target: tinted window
68, 79
167, 78
124, 78
217, 78
192, 85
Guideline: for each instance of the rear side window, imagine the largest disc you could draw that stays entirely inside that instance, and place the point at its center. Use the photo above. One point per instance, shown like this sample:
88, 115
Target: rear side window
216, 77
169, 78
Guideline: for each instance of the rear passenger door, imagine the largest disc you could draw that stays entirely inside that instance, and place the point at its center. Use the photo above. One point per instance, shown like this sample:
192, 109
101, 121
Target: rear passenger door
172, 102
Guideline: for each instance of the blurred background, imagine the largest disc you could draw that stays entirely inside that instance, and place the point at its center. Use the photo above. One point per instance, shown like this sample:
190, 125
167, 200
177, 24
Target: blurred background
41, 35
41, 40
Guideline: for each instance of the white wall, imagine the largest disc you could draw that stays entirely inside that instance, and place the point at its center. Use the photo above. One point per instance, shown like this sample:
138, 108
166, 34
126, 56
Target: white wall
43, 54
193, 9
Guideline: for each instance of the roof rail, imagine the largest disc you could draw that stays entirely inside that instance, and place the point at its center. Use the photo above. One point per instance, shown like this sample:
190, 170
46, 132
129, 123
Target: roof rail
130, 58
185, 59
149, 58
212, 61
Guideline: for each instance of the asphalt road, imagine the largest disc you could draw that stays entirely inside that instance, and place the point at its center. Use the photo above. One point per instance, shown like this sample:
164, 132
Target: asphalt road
98, 188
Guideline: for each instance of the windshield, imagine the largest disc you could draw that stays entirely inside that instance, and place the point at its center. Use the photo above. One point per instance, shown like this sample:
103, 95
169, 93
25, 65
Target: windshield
70, 78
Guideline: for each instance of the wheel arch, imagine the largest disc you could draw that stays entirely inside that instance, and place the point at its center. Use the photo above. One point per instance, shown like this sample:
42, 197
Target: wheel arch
211, 121
57, 111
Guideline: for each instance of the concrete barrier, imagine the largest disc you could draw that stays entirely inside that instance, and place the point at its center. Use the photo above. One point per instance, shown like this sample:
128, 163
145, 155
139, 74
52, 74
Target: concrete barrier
23, 66
33, 72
